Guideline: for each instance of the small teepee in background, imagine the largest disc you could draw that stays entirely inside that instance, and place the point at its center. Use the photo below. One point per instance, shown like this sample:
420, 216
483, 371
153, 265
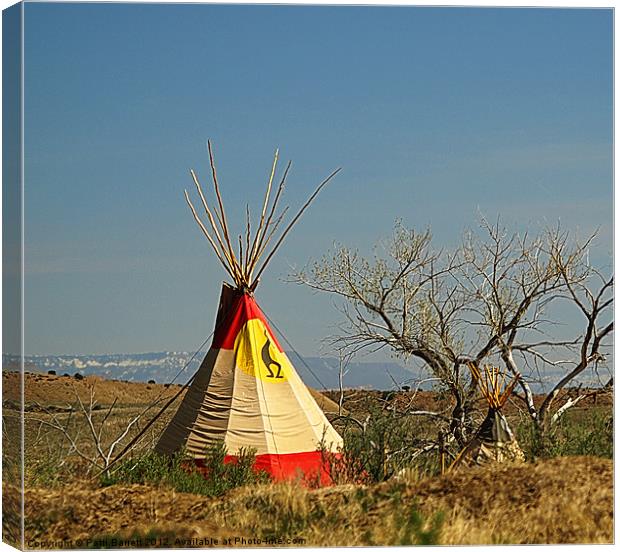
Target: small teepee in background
246, 393
494, 440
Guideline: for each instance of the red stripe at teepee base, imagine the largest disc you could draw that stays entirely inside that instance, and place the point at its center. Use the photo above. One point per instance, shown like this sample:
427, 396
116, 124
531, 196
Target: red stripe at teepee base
309, 468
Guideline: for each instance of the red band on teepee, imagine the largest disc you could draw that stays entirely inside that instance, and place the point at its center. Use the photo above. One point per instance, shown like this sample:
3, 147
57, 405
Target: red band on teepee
234, 313
307, 467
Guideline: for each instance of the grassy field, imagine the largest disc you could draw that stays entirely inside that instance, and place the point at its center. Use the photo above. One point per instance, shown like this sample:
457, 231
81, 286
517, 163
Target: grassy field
563, 494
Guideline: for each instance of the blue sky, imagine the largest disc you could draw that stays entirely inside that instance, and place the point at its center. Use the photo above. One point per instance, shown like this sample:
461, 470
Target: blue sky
435, 115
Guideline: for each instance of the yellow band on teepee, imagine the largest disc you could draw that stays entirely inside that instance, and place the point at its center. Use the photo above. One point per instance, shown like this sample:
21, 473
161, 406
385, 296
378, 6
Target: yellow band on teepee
257, 356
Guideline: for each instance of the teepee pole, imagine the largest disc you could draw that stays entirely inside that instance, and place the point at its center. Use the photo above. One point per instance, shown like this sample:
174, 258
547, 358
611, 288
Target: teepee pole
492, 388
211, 241
259, 245
242, 264
240, 250
222, 220
260, 227
271, 233
212, 222
295, 219
507, 392
248, 232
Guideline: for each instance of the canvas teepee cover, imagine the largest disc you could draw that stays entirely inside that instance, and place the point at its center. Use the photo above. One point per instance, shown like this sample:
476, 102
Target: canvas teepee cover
246, 393
494, 440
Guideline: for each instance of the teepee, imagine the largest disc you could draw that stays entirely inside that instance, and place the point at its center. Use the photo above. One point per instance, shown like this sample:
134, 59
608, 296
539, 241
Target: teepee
494, 440
246, 393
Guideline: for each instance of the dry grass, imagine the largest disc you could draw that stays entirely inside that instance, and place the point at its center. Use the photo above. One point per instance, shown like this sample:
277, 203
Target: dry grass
562, 500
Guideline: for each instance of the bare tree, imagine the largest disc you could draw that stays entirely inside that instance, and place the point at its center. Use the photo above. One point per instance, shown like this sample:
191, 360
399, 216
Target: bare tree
491, 299
97, 447
343, 363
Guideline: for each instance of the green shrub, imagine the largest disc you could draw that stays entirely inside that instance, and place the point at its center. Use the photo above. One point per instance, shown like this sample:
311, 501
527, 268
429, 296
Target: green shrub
52, 468
416, 530
412, 528
213, 479
386, 444
43, 471
577, 433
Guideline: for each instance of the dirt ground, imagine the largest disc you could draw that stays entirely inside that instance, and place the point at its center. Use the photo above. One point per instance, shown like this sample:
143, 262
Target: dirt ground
59, 391
50, 390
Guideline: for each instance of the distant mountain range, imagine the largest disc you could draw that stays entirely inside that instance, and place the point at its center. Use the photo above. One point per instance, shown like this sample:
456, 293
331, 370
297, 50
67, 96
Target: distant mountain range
317, 372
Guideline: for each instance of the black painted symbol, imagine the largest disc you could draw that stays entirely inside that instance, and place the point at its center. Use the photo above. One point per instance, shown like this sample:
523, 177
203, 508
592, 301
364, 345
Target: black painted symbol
266, 354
